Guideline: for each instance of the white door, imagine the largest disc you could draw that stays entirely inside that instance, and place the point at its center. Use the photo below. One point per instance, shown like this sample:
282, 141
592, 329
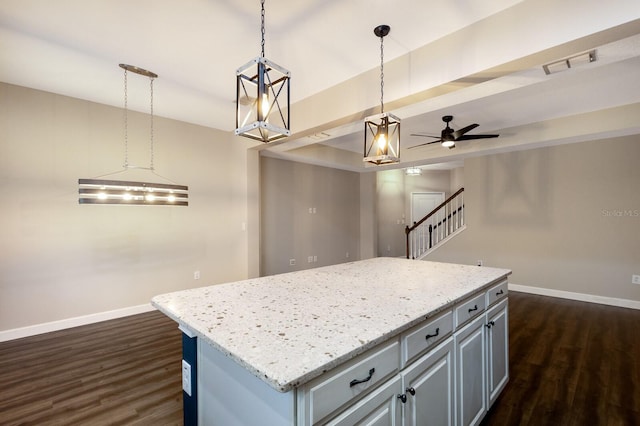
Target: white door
423, 202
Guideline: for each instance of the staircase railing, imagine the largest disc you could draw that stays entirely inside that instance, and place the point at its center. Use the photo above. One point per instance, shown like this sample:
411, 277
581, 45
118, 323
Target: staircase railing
436, 226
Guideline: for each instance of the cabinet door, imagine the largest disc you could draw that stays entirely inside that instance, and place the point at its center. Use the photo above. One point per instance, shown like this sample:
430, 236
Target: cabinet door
429, 388
380, 408
470, 373
497, 349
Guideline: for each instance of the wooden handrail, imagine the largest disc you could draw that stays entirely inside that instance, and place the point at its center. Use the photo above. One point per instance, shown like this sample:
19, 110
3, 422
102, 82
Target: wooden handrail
444, 203
408, 229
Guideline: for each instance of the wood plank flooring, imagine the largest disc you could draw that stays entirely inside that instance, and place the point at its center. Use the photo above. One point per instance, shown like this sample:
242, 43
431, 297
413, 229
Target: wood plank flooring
124, 371
572, 363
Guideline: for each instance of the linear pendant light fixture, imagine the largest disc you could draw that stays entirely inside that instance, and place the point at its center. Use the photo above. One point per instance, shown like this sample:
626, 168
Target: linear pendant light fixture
133, 192
382, 131
262, 98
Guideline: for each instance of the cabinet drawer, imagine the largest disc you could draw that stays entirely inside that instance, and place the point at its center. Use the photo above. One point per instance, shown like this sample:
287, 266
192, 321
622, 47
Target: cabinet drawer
497, 292
341, 388
427, 335
470, 309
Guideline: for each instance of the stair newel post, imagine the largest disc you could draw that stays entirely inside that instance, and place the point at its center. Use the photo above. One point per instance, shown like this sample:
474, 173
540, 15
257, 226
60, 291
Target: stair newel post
406, 232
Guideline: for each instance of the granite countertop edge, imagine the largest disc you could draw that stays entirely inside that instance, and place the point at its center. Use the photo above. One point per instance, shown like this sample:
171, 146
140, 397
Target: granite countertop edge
312, 373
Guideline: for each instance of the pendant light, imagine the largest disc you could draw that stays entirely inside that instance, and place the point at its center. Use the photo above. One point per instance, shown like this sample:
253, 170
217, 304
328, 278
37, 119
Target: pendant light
135, 192
382, 131
262, 98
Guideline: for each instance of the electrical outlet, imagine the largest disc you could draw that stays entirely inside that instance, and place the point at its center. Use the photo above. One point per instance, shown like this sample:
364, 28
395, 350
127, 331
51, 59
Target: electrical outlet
315, 259
635, 279
347, 255
196, 275
186, 377
292, 262
309, 259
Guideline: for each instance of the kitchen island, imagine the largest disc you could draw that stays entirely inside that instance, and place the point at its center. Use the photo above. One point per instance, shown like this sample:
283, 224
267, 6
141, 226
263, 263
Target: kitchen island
283, 349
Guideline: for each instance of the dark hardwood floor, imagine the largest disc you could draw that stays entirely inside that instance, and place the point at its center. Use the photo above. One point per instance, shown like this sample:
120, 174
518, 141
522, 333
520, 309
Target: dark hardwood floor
123, 371
572, 363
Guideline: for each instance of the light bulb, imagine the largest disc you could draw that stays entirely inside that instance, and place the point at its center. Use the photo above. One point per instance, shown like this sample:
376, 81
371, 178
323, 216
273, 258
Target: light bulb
264, 105
102, 196
127, 196
171, 198
150, 197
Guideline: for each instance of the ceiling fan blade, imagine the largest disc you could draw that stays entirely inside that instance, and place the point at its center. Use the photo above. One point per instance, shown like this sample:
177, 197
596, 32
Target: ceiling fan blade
426, 143
471, 137
458, 133
424, 136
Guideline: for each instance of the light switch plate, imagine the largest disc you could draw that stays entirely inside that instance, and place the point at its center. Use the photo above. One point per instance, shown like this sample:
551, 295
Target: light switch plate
186, 377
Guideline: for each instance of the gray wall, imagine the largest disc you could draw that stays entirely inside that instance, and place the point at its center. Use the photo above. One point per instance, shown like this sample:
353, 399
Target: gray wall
564, 218
62, 260
289, 231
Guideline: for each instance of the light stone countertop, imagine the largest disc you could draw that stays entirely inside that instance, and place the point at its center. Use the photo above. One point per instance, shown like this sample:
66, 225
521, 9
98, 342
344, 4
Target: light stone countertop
290, 328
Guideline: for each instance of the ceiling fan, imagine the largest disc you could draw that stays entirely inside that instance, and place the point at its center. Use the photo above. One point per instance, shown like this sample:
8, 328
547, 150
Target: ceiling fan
448, 137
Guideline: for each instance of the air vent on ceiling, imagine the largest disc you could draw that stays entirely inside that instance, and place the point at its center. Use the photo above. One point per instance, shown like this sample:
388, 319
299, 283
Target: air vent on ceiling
570, 62
321, 135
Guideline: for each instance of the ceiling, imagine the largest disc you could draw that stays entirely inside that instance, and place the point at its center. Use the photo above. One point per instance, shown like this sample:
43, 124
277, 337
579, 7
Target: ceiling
476, 60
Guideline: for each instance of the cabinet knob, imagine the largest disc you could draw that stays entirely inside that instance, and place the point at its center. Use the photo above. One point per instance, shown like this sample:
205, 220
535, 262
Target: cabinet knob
412, 391
402, 397
491, 324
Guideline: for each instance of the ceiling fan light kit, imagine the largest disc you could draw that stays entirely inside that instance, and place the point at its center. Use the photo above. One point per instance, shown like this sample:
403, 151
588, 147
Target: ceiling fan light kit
382, 131
448, 137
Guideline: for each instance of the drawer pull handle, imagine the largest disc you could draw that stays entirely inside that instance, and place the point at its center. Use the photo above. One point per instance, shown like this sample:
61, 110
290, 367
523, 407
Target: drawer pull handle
475, 308
428, 336
356, 381
500, 293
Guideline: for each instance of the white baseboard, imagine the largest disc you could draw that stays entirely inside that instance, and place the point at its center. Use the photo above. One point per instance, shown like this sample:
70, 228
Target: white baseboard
582, 297
33, 330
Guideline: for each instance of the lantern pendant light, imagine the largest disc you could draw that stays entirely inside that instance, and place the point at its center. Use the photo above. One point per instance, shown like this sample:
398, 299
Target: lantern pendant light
382, 131
262, 98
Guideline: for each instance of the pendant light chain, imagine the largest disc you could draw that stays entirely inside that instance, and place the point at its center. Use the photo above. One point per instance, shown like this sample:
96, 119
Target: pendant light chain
126, 124
382, 74
262, 31
151, 131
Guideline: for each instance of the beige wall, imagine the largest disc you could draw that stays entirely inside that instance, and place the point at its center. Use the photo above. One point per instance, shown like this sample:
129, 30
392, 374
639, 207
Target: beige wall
564, 218
289, 231
60, 259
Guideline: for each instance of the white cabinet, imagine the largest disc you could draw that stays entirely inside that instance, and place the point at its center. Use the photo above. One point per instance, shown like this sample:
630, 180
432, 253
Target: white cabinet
482, 359
497, 350
429, 388
380, 408
470, 349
